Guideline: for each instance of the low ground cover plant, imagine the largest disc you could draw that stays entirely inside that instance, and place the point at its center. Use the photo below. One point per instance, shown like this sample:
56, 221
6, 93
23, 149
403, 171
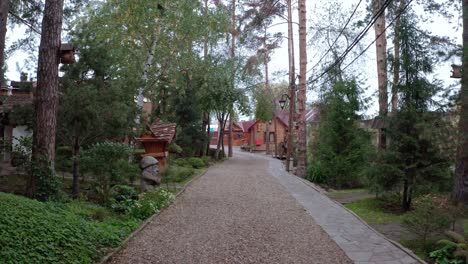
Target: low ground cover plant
73, 232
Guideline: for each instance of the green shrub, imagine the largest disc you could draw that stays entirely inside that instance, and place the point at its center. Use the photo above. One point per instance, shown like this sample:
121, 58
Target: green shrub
64, 159
138, 155
196, 163
426, 218
206, 160
183, 174
108, 163
181, 162
151, 202
174, 148
177, 174
38, 232
315, 174
123, 198
454, 249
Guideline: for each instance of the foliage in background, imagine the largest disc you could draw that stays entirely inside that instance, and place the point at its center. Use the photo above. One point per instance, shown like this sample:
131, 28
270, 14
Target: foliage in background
426, 219
413, 161
340, 147
108, 164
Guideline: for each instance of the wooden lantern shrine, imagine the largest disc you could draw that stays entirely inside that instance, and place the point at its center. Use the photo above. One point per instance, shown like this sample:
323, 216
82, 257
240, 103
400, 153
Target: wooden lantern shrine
156, 144
67, 53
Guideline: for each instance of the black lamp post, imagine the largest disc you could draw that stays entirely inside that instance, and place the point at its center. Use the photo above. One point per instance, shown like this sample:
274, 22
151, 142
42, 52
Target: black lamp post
282, 101
289, 144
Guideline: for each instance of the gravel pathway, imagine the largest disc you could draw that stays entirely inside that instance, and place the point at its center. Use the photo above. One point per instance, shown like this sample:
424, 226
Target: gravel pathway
235, 213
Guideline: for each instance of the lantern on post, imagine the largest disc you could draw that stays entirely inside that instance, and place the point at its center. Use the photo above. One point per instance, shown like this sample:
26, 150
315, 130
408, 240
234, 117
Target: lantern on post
282, 101
67, 53
456, 71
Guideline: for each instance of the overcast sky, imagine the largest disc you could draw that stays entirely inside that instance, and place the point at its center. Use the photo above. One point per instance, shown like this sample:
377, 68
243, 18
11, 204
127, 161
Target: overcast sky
279, 63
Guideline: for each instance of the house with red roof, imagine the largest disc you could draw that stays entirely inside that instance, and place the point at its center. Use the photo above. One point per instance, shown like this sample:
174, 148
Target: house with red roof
253, 134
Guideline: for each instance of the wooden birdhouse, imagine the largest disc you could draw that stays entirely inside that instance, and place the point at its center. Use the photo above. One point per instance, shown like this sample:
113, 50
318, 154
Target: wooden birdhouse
456, 71
67, 53
156, 143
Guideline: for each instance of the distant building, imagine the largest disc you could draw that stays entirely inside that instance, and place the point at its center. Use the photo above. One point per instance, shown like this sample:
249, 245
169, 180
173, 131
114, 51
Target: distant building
18, 94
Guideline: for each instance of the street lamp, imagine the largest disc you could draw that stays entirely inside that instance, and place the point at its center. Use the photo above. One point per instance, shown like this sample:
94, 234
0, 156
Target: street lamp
290, 139
282, 101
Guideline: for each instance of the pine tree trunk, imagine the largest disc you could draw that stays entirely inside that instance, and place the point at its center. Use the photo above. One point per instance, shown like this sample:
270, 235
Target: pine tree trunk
206, 114
233, 54
302, 94
396, 65
4, 7
46, 100
267, 86
76, 168
292, 88
381, 51
460, 190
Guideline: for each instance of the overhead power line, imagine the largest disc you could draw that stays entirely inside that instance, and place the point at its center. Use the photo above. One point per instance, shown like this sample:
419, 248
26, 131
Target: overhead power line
360, 36
336, 39
391, 23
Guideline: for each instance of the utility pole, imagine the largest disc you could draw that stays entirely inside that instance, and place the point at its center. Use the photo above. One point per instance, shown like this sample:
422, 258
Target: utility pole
302, 93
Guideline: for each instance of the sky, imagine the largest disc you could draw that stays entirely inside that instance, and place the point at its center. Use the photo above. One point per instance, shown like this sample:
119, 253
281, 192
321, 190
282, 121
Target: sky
279, 62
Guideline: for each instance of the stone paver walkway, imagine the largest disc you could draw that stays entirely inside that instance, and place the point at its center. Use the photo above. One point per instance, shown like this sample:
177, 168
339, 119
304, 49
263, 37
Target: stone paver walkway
361, 243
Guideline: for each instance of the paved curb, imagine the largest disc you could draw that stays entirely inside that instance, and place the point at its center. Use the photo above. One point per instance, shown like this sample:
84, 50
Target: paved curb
108, 257
398, 245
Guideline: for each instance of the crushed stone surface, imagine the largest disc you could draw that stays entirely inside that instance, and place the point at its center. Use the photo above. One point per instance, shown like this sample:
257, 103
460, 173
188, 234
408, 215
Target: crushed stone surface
235, 213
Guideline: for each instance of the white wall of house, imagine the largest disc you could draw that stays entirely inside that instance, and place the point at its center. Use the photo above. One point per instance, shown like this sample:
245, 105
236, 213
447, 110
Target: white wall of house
18, 133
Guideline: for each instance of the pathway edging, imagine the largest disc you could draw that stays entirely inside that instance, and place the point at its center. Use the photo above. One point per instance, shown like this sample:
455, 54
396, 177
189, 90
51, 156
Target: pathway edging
114, 251
407, 251
362, 243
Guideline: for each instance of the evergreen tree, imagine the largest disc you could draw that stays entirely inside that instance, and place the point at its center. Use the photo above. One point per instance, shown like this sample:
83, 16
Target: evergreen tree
413, 161
340, 146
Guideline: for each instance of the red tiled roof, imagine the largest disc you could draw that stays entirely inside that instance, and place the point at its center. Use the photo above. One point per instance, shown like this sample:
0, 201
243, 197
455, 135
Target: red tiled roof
162, 131
246, 125
16, 99
283, 116
236, 127
312, 116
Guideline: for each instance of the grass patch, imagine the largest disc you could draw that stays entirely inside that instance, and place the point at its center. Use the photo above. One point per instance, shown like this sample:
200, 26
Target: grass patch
421, 250
370, 209
348, 191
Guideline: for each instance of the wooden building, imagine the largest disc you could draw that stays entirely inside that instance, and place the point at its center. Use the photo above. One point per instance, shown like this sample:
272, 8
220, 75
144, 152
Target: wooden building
16, 95
157, 142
